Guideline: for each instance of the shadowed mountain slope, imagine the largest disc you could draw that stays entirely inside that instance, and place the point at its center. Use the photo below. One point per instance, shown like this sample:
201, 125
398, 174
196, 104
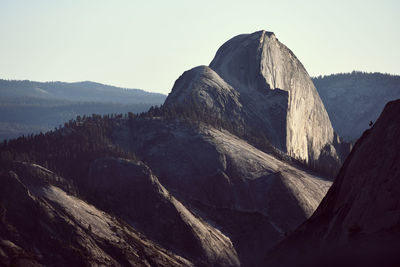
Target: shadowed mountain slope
358, 222
43, 223
227, 181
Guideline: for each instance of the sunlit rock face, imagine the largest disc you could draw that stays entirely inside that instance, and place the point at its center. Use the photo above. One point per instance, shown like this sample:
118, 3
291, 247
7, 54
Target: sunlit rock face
257, 65
203, 90
258, 85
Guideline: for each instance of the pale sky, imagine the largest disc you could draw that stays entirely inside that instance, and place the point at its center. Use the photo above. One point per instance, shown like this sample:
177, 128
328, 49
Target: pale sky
149, 44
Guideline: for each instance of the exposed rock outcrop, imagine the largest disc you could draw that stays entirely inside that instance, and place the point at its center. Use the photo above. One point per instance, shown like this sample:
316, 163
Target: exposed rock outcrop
227, 181
41, 224
257, 82
204, 91
125, 188
131, 191
358, 222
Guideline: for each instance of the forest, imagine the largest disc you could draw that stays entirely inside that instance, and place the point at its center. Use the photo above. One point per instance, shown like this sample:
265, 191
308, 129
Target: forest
28, 107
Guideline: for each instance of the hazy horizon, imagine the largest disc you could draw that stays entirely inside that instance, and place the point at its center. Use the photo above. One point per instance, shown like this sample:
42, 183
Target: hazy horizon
149, 45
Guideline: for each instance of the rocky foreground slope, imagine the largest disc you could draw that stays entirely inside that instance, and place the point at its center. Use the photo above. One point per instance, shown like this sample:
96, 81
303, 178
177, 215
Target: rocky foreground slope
358, 222
43, 223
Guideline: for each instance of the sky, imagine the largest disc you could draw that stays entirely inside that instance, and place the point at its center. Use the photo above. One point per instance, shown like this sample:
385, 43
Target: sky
149, 44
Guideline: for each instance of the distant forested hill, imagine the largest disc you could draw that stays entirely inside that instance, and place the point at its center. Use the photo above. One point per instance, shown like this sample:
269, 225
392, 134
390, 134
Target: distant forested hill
354, 99
79, 91
31, 107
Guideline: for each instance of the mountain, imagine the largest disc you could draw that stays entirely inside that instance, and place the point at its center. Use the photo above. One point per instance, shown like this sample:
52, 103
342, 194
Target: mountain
257, 84
358, 220
44, 223
106, 183
136, 195
203, 193
28, 107
227, 181
217, 176
78, 91
354, 99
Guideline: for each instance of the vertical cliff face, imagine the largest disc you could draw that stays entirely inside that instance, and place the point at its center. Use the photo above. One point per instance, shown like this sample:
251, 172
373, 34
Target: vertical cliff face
257, 85
257, 65
201, 89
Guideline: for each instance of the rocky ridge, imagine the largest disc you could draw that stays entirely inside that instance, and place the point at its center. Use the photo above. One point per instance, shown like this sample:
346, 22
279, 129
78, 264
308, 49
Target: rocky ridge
43, 223
131, 191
